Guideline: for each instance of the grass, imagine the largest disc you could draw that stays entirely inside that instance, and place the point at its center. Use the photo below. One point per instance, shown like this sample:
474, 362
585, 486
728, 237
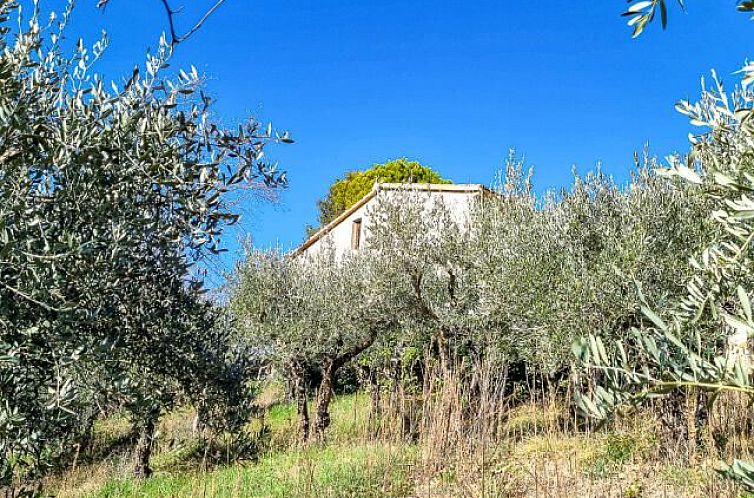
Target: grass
350, 465
349, 414
369, 470
533, 454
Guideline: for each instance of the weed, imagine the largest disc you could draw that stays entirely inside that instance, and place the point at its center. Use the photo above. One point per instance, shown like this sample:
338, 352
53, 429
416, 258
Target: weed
617, 450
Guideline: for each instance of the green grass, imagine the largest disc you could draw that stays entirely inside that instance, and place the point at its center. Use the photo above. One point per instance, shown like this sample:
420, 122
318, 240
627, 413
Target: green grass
616, 451
532, 455
349, 465
349, 414
368, 470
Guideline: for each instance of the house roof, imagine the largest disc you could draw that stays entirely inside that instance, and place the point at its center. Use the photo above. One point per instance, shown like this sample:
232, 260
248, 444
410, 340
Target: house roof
426, 187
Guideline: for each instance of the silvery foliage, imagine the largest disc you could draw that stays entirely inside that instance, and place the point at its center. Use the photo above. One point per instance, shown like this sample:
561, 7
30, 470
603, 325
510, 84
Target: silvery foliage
590, 243
702, 340
516, 254
611, 237
303, 312
516, 281
525, 275
109, 196
643, 12
425, 246
466, 278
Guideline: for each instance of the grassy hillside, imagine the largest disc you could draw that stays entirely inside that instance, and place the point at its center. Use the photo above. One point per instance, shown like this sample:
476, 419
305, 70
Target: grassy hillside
530, 455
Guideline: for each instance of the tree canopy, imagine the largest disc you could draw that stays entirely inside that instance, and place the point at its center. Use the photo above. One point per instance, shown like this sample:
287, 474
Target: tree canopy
515, 284
109, 197
682, 345
345, 192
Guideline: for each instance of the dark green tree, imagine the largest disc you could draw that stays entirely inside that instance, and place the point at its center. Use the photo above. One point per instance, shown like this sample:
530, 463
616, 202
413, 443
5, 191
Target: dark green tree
345, 192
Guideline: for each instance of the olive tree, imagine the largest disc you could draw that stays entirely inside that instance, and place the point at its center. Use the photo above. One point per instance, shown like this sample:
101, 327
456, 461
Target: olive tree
701, 340
520, 276
312, 312
110, 195
424, 249
619, 240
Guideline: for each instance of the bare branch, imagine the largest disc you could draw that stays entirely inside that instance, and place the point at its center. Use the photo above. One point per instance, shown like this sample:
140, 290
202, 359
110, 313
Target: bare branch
200, 22
175, 38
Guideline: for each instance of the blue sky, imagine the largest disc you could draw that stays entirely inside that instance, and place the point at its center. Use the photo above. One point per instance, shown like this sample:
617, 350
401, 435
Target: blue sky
451, 84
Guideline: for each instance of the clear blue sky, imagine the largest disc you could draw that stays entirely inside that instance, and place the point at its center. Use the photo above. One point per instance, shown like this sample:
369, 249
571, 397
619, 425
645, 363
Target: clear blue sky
451, 84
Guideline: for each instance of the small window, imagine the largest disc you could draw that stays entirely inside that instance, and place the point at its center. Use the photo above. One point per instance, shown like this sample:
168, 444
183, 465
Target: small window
356, 234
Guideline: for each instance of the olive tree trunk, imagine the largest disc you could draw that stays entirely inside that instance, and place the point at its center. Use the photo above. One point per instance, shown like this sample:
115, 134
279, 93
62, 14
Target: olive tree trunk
330, 368
142, 470
324, 396
302, 407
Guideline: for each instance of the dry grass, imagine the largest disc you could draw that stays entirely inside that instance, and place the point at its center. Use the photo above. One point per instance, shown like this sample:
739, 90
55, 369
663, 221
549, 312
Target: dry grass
485, 445
441, 443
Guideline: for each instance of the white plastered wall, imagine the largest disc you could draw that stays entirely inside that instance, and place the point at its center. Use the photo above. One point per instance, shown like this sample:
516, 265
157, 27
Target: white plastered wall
458, 203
